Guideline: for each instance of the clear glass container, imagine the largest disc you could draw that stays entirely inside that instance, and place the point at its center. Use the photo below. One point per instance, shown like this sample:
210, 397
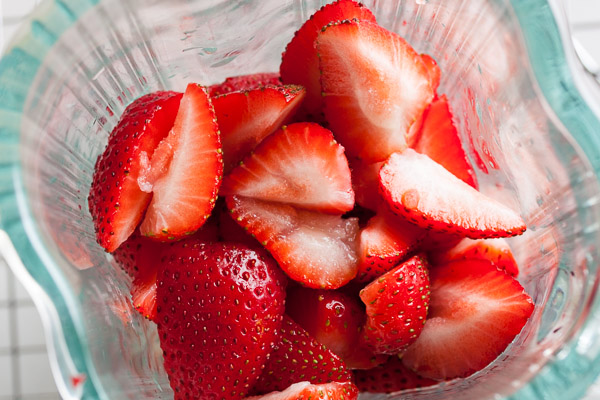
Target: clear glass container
76, 64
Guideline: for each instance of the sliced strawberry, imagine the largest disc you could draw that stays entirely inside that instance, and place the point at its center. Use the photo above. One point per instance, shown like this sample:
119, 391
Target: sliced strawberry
219, 309
390, 377
246, 118
244, 82
184, 195
425, 193
306, 391
230, 231
298, 357
397, 305
384, 243
375, 86
334, 319
315, 249
439, 140
475, 311
365, 182
301, 165
299, 62
434, 71
439, 242
116, 202
497, 251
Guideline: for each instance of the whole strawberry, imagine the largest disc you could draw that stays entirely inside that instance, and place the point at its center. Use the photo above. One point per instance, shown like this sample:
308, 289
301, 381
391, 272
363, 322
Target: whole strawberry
219, 307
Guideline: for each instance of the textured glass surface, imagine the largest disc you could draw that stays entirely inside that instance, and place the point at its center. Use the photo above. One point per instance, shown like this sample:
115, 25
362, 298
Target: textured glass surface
78, 63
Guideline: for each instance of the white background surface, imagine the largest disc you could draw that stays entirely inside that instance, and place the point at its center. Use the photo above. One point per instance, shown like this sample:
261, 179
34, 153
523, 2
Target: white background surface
24, 368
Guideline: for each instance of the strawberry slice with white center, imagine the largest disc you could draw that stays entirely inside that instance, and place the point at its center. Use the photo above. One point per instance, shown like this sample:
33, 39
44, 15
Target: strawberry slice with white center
305, 390
497, 251
425, 193
375, 86
316, 249
301, 165
244, 82
386, 241
439, 140
246, 118
475, 312
299, 62
189, 166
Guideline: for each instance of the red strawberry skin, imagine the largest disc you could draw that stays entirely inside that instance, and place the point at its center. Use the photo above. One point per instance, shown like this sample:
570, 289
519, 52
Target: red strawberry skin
244, 82
246, 118
365, 182
439, 140
397, 304
219, 308
334, 319
375, 86
299, 62
300, 164
298, 357
307, 391
393, 376
116, 202
425, 193
184, 195
475, 311
435, 74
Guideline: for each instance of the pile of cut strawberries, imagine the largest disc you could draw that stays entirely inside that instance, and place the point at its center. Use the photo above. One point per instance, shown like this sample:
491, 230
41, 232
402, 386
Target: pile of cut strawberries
312, 233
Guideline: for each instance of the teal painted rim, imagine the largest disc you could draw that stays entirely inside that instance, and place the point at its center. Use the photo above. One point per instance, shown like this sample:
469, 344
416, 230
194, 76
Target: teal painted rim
25, 54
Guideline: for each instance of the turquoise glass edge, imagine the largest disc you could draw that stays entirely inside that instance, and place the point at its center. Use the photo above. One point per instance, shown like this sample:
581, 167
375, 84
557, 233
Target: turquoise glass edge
18, 68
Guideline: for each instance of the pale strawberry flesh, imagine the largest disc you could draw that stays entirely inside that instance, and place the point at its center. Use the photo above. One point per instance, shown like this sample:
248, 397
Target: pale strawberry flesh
316, 249
475, 312
375, 86
426, 194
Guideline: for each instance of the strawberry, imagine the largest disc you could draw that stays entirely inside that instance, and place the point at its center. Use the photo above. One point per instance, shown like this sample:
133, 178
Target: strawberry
301, 165
187, 168
397, 305
439, 140
307, 391
375, 86
246, 118
116, 202
299, 62
390, 377
429, 196
497, 251
298, 357
434, 71
244, 82
384, 243
315, 249
230, 231
365, 182
219, 308
334, 319
474, 313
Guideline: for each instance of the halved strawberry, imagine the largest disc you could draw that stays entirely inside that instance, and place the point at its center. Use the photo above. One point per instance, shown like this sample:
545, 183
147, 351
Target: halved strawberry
307, 391
334, 319
316, 249
184, 195
384, 243
439, 140
475, 311
246, 118
425, 193
375, 86
230, 231
435, 73
397, 305
244, 82
393, 376
299, 62
116, 202
301, 165
365, 182
298, 357
497, 251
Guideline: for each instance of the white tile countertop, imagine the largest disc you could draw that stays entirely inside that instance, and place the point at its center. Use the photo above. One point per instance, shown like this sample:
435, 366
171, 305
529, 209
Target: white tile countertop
24, 367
